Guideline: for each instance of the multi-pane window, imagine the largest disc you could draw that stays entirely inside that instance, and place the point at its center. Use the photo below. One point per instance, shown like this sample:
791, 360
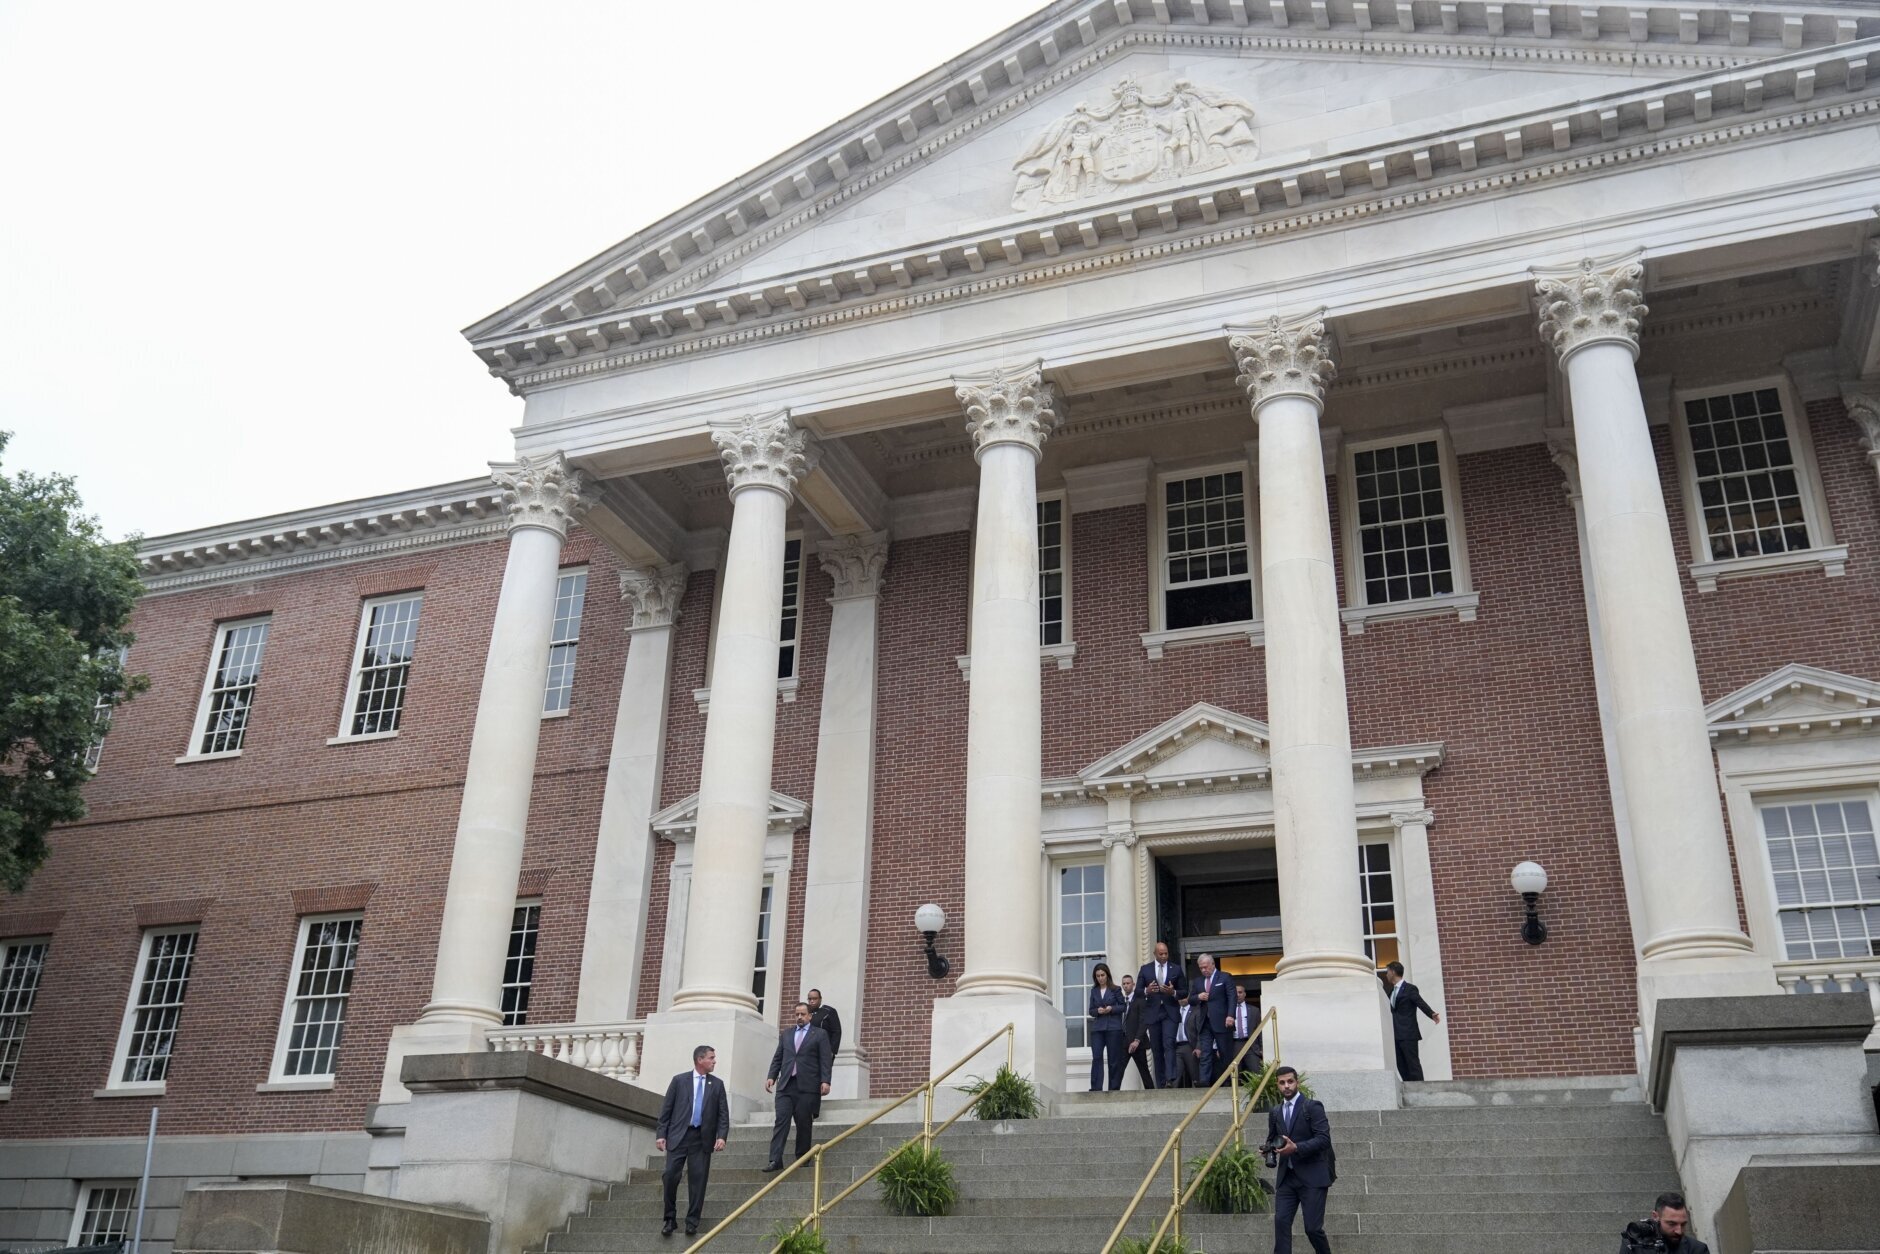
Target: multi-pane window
315, 1018
570, 596
382, 665
1379, 904
1748, 484
760, 966
148, 1039
20, 965
1827, 878
792, 608
1404, 530
1080, 910
106, 1213
1051, 572
101, 709
519, 963
228, 694
1207, 575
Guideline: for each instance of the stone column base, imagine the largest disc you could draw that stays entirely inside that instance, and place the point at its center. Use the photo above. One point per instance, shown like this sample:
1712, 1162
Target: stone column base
448, 1036
1335, 1030
1745, 975
961, 1022
268, 1216
745, 1045
851, 1074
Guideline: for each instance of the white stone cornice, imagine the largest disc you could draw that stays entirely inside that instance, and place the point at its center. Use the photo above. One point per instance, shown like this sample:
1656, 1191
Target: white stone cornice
543, 492
856, 563
1598, 301
652, 595
1014, 406
762, 451
1283, 358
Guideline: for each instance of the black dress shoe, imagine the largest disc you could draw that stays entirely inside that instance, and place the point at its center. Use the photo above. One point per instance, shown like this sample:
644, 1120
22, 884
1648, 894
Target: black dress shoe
691, 1232
666, 1229
773, 1167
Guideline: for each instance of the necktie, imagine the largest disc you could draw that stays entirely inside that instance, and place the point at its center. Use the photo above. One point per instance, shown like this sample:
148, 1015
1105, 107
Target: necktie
698, 1100
1393, 992
1240, 1017
798, 1047
1286, 1119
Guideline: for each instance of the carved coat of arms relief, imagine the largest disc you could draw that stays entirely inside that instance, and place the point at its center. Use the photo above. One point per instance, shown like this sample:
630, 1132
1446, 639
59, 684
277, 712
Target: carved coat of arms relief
1138, 136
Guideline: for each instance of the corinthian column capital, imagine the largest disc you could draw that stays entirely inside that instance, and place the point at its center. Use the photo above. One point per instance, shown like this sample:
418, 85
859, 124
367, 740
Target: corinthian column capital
543, 492
1008, 407
652, 595
1599, 301
1284, 358
762, 451
856, 563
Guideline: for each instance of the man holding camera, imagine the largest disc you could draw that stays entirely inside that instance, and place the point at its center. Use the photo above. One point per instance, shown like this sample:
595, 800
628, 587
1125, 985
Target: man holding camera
1299, 1148
1666, 1232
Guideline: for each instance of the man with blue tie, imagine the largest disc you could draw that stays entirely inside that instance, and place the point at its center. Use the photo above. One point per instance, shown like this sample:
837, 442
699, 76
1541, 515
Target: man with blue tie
1214, 994
693, 1123
1164, 990
803, 1063
1307, 1167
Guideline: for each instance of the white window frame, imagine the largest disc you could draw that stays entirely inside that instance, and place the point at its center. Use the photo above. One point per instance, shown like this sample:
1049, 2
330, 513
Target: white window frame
115, 1083
524, 903
102, 711
82, 1208
1823, 553
25, 1017
572, 644
1160, 636
1812, 797
786, 688
795, 643
1358, 611
1055, 880
200, 728
1066, 647
767, 916
1372, 934
348, 711
278, 1080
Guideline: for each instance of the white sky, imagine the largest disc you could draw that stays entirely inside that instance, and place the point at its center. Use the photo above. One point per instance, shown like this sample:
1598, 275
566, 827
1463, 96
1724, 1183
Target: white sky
206, 210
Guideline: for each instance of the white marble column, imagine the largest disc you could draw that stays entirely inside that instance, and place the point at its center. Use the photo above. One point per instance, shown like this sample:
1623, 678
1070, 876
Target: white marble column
763, 455
1009, 415
613, 946
1420, 948
1693, 946
1331, 1013
842, 809
542, 498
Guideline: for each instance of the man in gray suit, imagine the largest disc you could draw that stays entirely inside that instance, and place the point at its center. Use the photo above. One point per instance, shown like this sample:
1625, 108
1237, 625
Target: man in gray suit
799, 1076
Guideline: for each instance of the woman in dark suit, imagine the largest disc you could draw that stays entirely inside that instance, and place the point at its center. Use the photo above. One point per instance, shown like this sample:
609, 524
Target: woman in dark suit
1106, 1029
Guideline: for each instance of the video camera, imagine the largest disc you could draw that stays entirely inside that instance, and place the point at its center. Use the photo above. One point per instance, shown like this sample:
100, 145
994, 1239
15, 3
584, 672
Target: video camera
1642, 1237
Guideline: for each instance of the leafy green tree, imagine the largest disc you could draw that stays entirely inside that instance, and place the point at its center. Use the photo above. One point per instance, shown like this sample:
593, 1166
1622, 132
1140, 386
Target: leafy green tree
65, 597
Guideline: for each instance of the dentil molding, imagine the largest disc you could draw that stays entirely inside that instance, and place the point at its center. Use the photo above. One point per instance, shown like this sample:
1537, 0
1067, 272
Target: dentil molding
1284, 358
762, 451
1598, 301
856, 563
543, 492
652, 596
1008, 407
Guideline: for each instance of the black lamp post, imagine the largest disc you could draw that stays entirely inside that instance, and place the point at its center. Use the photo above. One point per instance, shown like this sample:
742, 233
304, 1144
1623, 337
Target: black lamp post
929, 921
1530, 880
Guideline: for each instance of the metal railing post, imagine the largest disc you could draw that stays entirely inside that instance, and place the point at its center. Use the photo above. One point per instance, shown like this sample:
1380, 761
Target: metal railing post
926, 1120
815, 1193
1177, 1173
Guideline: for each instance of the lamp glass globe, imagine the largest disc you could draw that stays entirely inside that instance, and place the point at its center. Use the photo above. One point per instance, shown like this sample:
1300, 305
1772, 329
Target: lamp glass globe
930, 918
1529, 877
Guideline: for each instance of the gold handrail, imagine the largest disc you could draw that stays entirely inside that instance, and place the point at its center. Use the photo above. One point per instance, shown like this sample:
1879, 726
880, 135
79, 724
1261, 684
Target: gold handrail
1180, 1197
815, 1157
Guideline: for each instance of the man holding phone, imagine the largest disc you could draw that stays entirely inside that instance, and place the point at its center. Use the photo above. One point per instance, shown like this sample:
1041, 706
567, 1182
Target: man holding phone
1164, 990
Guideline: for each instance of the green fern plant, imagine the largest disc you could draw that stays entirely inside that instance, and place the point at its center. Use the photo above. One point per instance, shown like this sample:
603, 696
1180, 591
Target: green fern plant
1140, 1245
1232, 1186
791, 1237
1006, 1095
918, 1181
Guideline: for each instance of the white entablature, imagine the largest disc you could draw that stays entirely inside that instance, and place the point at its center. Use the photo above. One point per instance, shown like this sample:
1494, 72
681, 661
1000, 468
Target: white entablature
678, 822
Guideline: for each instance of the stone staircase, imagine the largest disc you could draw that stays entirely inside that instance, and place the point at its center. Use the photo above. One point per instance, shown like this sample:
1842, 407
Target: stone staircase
1548, 1167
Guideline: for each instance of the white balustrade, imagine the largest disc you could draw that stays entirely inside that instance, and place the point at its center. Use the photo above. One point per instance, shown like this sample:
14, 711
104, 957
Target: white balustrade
611, 1049
1836, 975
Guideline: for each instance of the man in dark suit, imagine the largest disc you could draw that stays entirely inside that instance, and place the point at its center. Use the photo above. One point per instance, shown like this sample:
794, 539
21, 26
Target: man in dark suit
1164, 990
694, 1121
1298, 1127
1135, 1036
1214, 994
799, 1075
1246, 1024
1188, 1030
1405, 1001
826, 1018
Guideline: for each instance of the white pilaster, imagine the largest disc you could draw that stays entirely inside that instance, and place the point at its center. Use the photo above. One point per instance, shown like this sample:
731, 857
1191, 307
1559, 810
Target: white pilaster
841, 833
763, 457
1332, 1015
1009, 415
542, 498
1422, 950
612, 949
1692, 945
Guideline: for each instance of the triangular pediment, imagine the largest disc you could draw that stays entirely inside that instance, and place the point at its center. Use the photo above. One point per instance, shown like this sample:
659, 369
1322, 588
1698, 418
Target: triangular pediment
1096, 120
1796, 699
679, 821
1204, 739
